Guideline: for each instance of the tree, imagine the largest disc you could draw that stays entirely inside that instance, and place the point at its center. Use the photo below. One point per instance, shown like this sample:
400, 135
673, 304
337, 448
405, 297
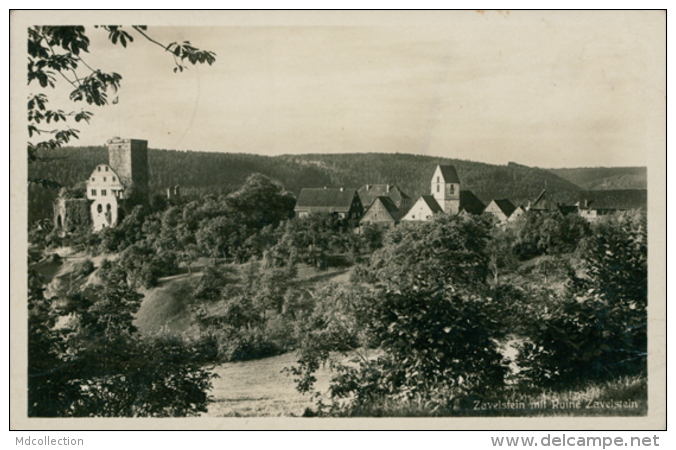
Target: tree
97, 364
598, 329
262, 201
445, 250
58, 51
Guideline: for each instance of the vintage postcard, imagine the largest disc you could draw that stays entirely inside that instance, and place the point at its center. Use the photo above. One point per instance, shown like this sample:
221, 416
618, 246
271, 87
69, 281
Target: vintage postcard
338, 220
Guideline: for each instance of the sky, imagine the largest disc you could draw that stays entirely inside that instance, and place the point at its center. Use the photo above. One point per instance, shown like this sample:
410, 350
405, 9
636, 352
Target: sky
546, 89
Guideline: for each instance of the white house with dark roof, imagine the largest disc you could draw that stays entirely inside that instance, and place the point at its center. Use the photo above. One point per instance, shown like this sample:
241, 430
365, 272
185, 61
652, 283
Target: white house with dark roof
423, 209
105, 190
501, 209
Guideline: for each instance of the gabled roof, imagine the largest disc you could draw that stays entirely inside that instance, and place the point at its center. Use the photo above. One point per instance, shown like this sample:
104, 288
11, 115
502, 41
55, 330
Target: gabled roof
432, 203
568, 209
543, 203
325, 199
616, 199
470, 203
505, 205
369, 192
388, 206
449, 174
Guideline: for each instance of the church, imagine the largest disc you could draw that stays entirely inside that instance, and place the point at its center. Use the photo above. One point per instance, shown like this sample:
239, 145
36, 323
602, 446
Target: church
446, 197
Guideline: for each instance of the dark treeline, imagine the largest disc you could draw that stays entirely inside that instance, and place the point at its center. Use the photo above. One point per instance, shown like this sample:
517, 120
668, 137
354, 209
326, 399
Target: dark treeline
201, 173
606, 177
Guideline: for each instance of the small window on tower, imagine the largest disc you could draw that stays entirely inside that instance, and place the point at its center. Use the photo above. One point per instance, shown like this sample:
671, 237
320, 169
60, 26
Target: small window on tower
452, 188
437, 179
94, 192
113, 178
437, 188
99, 168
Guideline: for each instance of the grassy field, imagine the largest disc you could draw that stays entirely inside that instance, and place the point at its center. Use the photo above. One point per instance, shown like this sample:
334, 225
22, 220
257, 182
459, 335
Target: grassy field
259, 388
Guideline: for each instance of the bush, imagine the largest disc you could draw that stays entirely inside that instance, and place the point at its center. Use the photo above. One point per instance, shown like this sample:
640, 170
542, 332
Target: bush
433, 344
598, 330
244, 344
83, 268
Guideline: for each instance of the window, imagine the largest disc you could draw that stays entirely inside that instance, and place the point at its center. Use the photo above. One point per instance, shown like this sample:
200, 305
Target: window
437, 188
113, 178
413, 216
93, 192
437, 179
452, 187
103, 192
106, 168
104, 178
93, 179
99, 208
99, 168
108, 208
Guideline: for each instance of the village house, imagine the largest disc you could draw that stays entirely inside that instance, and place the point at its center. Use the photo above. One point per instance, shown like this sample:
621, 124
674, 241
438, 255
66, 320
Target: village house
543, 204
594, 204
345, 203
501, 209
383, 211
369, 192
423, 209
518, 212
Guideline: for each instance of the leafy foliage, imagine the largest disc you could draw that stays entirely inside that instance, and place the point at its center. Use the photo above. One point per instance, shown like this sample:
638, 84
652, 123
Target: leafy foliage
598, 330
444, 251
96, 364
60, 50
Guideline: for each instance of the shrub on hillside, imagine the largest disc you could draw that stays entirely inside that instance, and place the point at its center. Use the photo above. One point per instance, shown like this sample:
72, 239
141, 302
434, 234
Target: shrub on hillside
599, 328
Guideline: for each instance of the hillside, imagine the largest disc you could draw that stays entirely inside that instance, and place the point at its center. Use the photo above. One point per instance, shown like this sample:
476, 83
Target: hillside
605, 177
200, 173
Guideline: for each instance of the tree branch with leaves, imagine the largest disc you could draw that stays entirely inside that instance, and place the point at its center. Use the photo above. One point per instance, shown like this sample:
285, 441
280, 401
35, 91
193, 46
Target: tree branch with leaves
58, 53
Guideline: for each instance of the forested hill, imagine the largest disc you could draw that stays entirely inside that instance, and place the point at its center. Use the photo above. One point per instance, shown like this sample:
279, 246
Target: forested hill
413, 173
200, 173
606, 177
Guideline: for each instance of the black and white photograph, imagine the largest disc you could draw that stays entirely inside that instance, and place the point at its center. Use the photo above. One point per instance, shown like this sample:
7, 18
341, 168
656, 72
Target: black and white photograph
315, 217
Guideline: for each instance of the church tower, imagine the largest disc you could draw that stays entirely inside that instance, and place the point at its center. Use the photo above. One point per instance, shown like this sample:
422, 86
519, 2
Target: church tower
446, 189
129, 159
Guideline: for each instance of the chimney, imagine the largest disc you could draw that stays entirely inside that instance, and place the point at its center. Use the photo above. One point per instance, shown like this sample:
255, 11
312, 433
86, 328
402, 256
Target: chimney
342, 189
324, 187
388, 188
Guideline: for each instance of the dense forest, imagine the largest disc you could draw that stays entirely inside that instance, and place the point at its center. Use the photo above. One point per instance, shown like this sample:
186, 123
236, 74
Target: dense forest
200, 173
605, 177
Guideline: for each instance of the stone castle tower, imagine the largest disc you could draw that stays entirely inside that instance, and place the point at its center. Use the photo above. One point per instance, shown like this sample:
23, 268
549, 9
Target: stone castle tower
129, 159
446, 188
